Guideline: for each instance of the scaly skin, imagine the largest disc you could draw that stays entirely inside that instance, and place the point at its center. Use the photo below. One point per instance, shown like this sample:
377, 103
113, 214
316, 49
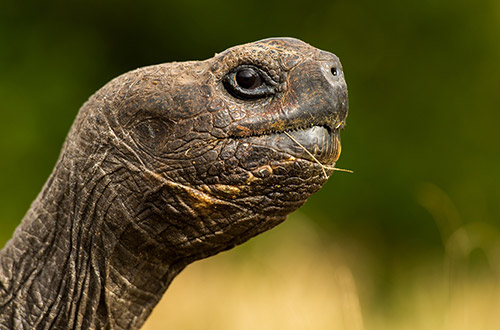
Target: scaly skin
166, 165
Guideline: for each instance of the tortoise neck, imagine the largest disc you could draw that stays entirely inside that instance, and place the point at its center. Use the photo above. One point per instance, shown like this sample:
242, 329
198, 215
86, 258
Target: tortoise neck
64, 267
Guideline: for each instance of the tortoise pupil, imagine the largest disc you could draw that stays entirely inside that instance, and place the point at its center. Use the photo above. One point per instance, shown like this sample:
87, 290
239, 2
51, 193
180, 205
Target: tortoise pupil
248, 79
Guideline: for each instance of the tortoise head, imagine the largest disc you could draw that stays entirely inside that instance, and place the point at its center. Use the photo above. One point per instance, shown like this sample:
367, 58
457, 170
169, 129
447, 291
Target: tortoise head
222, 149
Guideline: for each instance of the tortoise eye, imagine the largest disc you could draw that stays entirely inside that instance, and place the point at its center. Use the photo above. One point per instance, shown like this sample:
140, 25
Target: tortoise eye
248, 78
249, 82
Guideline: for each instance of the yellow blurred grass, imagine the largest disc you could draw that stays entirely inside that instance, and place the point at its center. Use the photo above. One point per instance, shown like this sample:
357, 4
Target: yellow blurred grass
291, 278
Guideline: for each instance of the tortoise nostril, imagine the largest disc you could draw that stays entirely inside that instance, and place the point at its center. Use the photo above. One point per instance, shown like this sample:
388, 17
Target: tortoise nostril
334, 71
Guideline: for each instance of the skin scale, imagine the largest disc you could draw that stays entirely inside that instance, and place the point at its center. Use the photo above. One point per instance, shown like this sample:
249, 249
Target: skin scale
166, 165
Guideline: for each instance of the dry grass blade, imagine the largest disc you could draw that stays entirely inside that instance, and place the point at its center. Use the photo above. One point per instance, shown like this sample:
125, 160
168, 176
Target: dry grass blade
323, 167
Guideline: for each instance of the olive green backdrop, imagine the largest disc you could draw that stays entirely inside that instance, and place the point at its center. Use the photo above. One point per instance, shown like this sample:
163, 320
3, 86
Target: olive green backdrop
424, 83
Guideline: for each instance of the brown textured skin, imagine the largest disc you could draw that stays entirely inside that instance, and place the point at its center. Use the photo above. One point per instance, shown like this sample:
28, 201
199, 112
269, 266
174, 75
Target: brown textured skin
163, 166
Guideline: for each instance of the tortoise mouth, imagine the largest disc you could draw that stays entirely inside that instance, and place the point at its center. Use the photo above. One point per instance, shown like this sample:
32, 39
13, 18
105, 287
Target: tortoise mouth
314, 143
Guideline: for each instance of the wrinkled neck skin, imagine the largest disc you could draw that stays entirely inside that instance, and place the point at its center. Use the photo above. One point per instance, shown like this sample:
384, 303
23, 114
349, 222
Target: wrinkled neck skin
73, 269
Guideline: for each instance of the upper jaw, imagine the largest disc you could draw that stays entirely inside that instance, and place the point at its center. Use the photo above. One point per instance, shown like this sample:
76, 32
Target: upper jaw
331, 120
243, 132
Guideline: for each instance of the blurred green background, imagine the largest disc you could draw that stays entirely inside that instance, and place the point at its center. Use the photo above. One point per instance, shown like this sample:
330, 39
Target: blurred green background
421, 137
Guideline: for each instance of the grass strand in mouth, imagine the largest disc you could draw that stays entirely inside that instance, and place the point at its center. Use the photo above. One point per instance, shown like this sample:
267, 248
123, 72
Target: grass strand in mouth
323, 167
